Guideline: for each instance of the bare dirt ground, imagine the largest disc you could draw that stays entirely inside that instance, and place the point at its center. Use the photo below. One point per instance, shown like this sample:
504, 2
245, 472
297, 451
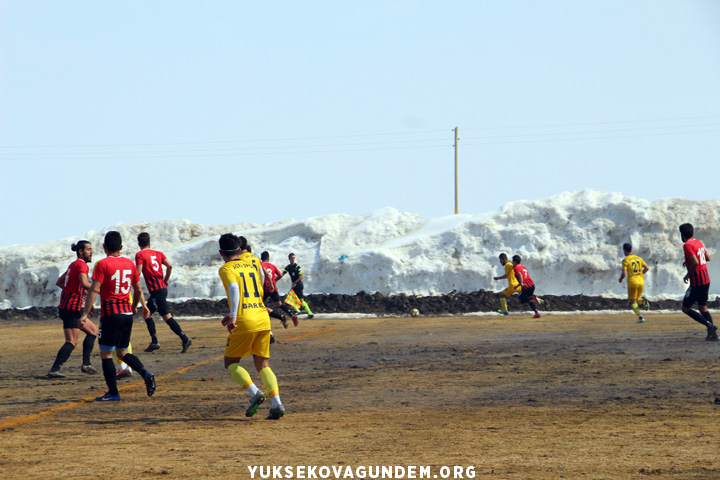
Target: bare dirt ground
564, 396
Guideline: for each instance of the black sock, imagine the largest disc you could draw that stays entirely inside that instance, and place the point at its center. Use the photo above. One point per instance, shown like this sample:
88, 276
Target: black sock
287, 309
62, 355
135, 363
276, 314
108, 366
533, 306
697, 317
175, 327
150, 323
706, 315
88, 345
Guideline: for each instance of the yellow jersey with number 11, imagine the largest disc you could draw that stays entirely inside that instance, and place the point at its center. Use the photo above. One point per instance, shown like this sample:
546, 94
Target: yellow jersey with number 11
252, 316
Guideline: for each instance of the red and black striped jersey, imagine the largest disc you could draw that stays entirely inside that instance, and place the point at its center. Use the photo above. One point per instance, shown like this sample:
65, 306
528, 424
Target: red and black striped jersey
526, 280
116, 275
152, 270
73, 293
695, 248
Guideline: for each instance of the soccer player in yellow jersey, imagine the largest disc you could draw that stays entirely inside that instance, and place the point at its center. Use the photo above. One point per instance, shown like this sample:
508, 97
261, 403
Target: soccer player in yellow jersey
248, 323
635, 268
513, 284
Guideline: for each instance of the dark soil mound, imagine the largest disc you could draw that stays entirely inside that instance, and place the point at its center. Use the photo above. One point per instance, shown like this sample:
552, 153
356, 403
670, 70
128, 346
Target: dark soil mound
375, 303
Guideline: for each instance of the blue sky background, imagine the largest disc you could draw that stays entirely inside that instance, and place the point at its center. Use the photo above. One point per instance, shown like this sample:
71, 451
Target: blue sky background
229, 111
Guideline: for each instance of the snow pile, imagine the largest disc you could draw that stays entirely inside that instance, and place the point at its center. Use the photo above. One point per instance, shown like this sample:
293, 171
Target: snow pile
571, 244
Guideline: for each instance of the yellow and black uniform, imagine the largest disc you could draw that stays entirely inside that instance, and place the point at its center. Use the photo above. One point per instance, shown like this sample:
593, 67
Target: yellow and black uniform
252, 334
513, 284
635, 268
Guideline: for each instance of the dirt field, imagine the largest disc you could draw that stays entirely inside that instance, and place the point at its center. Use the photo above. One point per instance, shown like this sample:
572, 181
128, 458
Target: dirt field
565, 396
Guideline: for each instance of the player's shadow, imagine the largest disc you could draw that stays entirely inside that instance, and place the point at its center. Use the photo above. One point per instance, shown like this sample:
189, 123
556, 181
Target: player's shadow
151, 421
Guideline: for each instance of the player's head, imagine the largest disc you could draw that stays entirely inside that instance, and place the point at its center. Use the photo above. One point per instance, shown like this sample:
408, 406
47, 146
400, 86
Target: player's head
113, 242
291, 257
244, 245
516, 259
265, 257
144, 240
627, 248
83, 250
248, 248
229, 245
687, 231
503, 258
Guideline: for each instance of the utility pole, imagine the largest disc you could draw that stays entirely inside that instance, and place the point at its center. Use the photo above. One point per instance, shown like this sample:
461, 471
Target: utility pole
456, 170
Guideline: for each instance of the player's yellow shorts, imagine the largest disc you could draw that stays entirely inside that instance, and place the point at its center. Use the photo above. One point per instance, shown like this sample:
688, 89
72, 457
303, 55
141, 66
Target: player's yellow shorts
243, 344
635, 290
510, 291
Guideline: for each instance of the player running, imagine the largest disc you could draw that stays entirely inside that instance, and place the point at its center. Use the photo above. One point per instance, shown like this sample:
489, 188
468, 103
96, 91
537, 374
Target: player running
696, 258
513, 285
150, 262
75, 284
635, 268
113, 277
272, 273
526, 285
248, 323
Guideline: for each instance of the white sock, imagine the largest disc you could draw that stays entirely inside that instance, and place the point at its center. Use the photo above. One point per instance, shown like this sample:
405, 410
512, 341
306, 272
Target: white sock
253, 390
123, 366
275, 401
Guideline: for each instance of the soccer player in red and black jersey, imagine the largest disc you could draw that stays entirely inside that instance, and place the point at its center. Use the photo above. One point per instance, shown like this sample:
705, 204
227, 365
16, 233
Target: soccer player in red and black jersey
75, 284
696, 258
113, 277
270, 290
150, 263
527, 294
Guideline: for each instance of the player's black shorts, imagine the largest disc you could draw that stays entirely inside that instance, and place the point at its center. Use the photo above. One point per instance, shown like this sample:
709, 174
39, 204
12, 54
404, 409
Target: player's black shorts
696, 293
70, 318
158, 302
527, 294
115, 331
299, 290
274, 296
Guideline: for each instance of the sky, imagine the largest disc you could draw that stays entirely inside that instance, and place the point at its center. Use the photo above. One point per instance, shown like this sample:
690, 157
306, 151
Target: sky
222, 112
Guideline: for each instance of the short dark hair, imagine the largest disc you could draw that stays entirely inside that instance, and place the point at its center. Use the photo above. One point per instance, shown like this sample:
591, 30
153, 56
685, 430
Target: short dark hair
516, 258
265, 256
627, 247
229, 243
113, 241
687, 230
502, 256
144, 239
291, 255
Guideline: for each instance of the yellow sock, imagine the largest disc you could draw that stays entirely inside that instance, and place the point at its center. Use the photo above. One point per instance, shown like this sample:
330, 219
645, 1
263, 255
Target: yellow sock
503, 303
635, 309
270, 381
307, 309
240, 375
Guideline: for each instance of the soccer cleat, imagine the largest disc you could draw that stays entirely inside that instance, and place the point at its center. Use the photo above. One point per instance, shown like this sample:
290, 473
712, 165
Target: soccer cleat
502, 312
309, 317
108, 398
645, 304
276, 413
712, 333
537, 315
152, 347
284, 322
272, 338
295, 320
150, 383
641, 319
124, 373
255, 402
55, 374
89, 369
186, 345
